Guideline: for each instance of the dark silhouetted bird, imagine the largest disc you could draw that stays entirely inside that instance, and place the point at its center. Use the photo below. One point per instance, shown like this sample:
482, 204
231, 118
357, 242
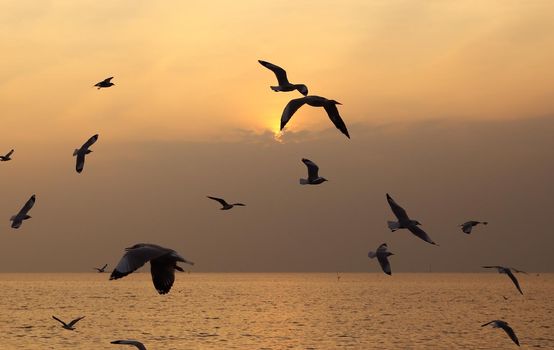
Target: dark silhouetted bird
68, 326
18, 218
284, 84
382, 255
81, 152
313, 177
404, 221
106, 83
138, 344
505, 327
225, 205
507, 271
101, 269
6, 157
467, 226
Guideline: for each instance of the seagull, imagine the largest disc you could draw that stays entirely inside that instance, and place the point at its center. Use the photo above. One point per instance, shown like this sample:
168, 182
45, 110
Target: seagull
106, 83
101, 269
404, 221
505, 327
6, 157
69, 326
226, 206
315, 101
138, 344
468, 225
313, 177
507, 271
163, 263
81, 152
17, 219
382, 255
284, 84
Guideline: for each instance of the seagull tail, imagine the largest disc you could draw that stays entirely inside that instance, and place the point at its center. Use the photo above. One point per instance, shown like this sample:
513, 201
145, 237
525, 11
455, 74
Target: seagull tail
393, 225
304, 181
75, 152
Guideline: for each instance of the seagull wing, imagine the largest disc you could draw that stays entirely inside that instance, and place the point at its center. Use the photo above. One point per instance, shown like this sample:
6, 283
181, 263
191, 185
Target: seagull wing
510, 333
334, 115
385, 265
486, 324
80, 162
398, 211
9, 153
220, 200
60, 321
313, 169
104, 267
467, 227
290, 109
514, 279
418, 231
135, 258
492, 267
89, 142
27, 206
75, 321
138, 344
518, 271
163, 274
280, 73
107, 80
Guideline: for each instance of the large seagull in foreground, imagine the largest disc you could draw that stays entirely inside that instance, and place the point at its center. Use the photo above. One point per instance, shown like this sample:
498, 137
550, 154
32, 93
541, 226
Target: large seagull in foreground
404, 221
282, 80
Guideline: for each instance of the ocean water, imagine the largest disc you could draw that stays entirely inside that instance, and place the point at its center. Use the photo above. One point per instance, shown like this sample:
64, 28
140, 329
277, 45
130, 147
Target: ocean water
277, 311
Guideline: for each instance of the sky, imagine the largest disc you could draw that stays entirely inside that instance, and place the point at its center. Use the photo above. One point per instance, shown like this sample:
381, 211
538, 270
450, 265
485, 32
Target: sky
449, 106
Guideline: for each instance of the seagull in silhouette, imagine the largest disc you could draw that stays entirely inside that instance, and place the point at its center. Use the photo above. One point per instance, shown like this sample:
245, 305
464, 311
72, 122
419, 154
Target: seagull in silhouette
507, 271
404, 221
382, 255
6, 157
468, 225
225, 205
505, 327
163, 263
284, 84
18, 218
106, 83
81, 152
138, 344
101, 269
69, 326
313, 177
315, 101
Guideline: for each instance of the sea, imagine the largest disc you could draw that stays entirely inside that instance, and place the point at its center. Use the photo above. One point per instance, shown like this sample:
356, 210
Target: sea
277, 311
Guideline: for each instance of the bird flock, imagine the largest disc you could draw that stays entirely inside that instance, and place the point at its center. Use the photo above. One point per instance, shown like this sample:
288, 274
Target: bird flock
163, 261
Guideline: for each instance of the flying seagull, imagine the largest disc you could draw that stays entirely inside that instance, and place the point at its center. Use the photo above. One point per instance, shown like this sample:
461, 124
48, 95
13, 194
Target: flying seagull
17, 219
138, 344
225, 205
163, 263
315, 101
69, 326
284, 84
106, 83
6, 157
404, 221
101, 269
468, 225
81, 152
507, 271
505, 327
382, 255
313, 177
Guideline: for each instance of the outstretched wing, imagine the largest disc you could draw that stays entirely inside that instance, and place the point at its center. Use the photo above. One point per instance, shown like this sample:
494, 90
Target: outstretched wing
75, 321
313, 169
510, 333
80, 162
107, 80
163, 274
89, 142
418, 231
486, 324
290, 109
518, 271
467, 227
398, 211
60, 321
27, 206
220, 200
492, 267
514, 279
280, 73
9, 154
138, 344
104, 267
334, 115
135, 258
385, 265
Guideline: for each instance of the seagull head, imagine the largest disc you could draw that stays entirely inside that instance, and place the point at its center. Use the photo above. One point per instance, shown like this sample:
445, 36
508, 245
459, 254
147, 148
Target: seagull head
303, 89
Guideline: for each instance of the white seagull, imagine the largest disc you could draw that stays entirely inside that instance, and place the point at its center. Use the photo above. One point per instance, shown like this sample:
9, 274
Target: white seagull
138, 344
507, 271
382, 255
6, 157
163, 263
101, 269
404, 221
225, 205
106, 83
81, 152
17, 219
313, 177
69, 326
468, 225
505, 327
284, 84
315, 101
